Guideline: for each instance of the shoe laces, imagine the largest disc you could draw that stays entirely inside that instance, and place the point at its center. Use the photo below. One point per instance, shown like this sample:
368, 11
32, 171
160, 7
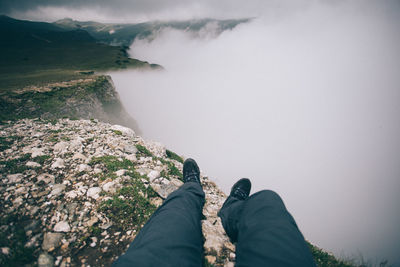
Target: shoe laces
239, 193
192, 176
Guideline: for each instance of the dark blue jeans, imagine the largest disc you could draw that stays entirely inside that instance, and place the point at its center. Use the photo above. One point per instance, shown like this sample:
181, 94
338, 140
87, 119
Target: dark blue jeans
172, 236
263, 230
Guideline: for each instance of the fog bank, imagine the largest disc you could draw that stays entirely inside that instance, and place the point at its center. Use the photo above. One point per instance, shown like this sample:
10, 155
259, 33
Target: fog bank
305, 104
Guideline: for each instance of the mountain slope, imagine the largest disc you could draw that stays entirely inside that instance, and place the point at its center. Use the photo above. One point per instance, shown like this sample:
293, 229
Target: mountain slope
124, 34
39, 53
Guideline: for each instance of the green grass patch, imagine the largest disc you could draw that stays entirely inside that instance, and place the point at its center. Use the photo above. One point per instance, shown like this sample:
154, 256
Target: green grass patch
133, 209
15, 165
41, 159
113, 163
174, 171
323, 258
95, 231
117, 132
174, 156
143, 151
7, 142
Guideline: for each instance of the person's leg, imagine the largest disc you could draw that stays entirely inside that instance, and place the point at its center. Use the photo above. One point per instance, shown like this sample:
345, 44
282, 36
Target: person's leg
230, 214
266, 233
172, 236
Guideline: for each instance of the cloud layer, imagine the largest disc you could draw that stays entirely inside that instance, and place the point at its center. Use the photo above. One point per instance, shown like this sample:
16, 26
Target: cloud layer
145, 10
306, 104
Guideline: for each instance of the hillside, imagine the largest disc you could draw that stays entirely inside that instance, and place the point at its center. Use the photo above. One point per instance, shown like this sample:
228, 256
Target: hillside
38, 53
78, 191
91, 98
125, 34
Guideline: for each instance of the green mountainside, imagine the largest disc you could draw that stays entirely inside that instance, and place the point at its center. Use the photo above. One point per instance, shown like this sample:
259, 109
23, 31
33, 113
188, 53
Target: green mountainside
124, 34
38, 53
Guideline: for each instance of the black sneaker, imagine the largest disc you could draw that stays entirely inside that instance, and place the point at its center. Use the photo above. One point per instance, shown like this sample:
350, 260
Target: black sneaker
191, 172
241, 189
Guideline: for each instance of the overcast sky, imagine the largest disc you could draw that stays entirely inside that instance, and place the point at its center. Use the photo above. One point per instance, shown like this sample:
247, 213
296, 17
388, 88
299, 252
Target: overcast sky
145, 10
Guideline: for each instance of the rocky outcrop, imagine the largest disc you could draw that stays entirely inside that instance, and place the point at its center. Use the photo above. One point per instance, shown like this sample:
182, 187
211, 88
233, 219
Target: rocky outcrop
76, 193
91, 98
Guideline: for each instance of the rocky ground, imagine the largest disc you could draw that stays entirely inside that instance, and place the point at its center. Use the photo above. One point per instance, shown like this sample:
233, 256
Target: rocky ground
76, 193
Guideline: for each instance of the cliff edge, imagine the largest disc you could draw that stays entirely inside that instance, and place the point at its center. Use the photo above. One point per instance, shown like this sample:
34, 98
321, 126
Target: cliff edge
76, 193
91, 98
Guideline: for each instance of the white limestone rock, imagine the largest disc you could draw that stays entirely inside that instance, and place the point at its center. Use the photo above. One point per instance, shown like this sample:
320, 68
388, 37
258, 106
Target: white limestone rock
124, 130
58, 164
153, 175
33, 164
93, 192
62, 226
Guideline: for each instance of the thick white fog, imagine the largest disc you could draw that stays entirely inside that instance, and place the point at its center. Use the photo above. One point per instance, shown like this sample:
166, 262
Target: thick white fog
306, 104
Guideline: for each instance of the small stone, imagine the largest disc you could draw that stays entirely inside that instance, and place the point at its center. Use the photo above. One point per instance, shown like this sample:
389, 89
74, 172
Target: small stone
229, 264
92, 221
93, 192
5, 250
45, 260
84, 168
62, 226
22, 190
18, 201
34, 210
94, 242
65, 246
71, 208
156, 201
153, 175
71, 194
33, 164
79, 156
15, 178
36, 152
109, 187
57, 189
130, 149
211, 259
60, 147
51, 241
124, 130
131, 157
120, 172
58, 163
47, 178
164, 189
58, 260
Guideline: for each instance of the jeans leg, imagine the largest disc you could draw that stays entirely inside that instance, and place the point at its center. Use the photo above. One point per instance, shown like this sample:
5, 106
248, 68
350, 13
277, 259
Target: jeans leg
230, 213
267, 235
172, 236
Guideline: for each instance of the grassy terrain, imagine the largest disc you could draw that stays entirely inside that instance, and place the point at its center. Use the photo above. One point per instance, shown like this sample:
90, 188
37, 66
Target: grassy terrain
32, 104
35, 53
124, 34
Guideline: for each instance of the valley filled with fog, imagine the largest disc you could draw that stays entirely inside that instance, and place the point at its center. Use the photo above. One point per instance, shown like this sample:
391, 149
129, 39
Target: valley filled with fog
306, 103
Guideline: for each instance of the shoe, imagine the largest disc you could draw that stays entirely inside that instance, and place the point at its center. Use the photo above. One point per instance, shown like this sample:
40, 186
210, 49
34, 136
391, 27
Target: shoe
241, 189
191, 172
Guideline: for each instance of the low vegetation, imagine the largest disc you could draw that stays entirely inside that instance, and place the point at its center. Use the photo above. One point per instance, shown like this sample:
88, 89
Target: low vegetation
173, 155
143, 151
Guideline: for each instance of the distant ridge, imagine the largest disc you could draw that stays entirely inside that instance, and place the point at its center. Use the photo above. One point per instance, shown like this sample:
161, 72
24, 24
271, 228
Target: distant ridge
125, 34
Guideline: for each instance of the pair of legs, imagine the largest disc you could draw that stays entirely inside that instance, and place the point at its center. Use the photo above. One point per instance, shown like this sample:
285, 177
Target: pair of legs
263, 230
